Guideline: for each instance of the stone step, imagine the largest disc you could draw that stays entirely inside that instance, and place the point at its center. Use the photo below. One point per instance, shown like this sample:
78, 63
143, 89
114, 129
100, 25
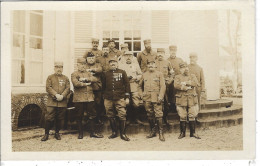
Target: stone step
216, 104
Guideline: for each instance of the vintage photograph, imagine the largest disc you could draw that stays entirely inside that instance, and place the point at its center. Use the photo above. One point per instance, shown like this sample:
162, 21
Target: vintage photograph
126, 80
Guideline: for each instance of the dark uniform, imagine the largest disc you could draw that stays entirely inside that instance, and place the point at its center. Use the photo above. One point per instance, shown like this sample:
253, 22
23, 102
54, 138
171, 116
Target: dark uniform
57, 87
153, 94
84, 98
186, 100
116, 89
113, 52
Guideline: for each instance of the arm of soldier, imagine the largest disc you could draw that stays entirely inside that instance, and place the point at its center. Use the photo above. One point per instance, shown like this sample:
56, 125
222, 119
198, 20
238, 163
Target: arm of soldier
140, 87
75, 81
138, 73
67, 89
193, 82
202, 80
162, 87
49, 88
98, 68
178, 84
127, 84
139, 58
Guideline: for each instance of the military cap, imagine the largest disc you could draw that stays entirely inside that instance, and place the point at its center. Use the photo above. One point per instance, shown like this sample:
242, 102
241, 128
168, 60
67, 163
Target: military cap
111, 40
150, 60
124, 45
81, 60
172, 47
193, 54
58, 63
160, 50
95, 40
147, 41
90, 54
113, 59
183, 64
128, 53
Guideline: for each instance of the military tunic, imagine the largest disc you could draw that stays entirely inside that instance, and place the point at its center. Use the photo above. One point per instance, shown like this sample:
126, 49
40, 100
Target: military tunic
142, 58
175, 62
114, 53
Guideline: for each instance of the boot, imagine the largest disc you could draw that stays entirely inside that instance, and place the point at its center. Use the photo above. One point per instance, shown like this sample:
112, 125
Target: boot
183, 129
152, 128
57, 136
160, 126
122, 130
136, 112
79, 122
192, 130
57, 129
92, 130
47, 129
113, 126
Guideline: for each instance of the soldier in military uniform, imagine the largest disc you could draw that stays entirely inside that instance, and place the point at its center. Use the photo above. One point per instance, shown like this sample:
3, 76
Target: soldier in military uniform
116, 94
57, 87
198, 72
153, 94
144, 55
134, 75
83, 97
186, 100
104, 59
96, 71
94, 50
165, 67
113, 52
175, 62
123, 58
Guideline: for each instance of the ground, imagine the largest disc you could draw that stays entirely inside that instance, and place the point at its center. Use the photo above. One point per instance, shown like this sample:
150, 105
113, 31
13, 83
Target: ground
219, 139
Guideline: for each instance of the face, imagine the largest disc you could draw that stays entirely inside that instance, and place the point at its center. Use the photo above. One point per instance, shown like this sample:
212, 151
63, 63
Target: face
113, 65
105, 50
81, 66
182, 70
112, 45
124, 49
186, 71
148, 47
95, 45
151, 66
173, 53
193, 60
128, 58
91, 60
160, 55
58, 70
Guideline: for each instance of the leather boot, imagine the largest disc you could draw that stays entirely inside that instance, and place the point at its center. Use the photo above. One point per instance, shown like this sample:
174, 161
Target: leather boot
113, 126
152, 128
57, 129
192, 130
57, 136
160, 126
183, 129
136, 112
92, 130
79, 122
47, 129
123, 130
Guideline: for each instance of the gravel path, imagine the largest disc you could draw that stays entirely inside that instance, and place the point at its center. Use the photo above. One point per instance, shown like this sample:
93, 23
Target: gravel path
214, 139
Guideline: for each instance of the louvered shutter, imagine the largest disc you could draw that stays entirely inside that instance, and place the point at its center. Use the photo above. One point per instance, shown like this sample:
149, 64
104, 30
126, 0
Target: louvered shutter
160, 27
83, 24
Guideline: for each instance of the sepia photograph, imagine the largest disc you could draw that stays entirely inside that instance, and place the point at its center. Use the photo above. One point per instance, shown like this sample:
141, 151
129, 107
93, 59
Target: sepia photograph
129, 79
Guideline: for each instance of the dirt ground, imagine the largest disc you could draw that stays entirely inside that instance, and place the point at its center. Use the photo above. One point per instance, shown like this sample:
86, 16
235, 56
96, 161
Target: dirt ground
214, 139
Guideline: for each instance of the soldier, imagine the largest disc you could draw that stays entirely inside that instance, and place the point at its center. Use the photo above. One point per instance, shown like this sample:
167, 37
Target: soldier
94, 50
175, 62
57, 87
116, 94
186, 100
134, 75
123, 58
153, 94
164, 66
96, 71
83, 97
198, 72
104, 59
144, 55
113, 52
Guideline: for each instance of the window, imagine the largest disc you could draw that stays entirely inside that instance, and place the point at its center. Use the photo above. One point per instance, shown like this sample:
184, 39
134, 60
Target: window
123, 27
27, 55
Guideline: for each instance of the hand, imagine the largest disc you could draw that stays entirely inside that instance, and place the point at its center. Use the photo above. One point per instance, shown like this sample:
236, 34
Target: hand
159, 100
130, 77
82, 79
127, 101
189, 87
183, 83
87, 84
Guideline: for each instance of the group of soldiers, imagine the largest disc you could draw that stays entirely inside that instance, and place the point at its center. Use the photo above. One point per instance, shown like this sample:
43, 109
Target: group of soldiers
121, 83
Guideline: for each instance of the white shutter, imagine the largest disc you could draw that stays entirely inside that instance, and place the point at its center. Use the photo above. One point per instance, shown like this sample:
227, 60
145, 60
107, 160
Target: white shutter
160, 27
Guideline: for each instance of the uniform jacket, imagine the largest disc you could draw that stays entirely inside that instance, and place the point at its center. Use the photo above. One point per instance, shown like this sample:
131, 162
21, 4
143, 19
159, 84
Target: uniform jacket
134, 71
114, 53
82, 92
142, 58
186, 97
198, 72
165, 67
104, 61
154, 86
116, 85
57, 84
97, 74
97, 53
175, 62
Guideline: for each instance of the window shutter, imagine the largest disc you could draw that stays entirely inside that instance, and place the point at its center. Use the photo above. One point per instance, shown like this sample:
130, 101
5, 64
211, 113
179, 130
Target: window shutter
160, 27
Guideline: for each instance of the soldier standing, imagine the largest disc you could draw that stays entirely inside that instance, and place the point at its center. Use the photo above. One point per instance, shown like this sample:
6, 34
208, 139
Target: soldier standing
153, 94
134, 75
113, 52
57, 87
116, 94
96, 71
104, 59
122, 59
175, 62
198, 72
165, 67
186, 100
83, 97
143, 56
94, 50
